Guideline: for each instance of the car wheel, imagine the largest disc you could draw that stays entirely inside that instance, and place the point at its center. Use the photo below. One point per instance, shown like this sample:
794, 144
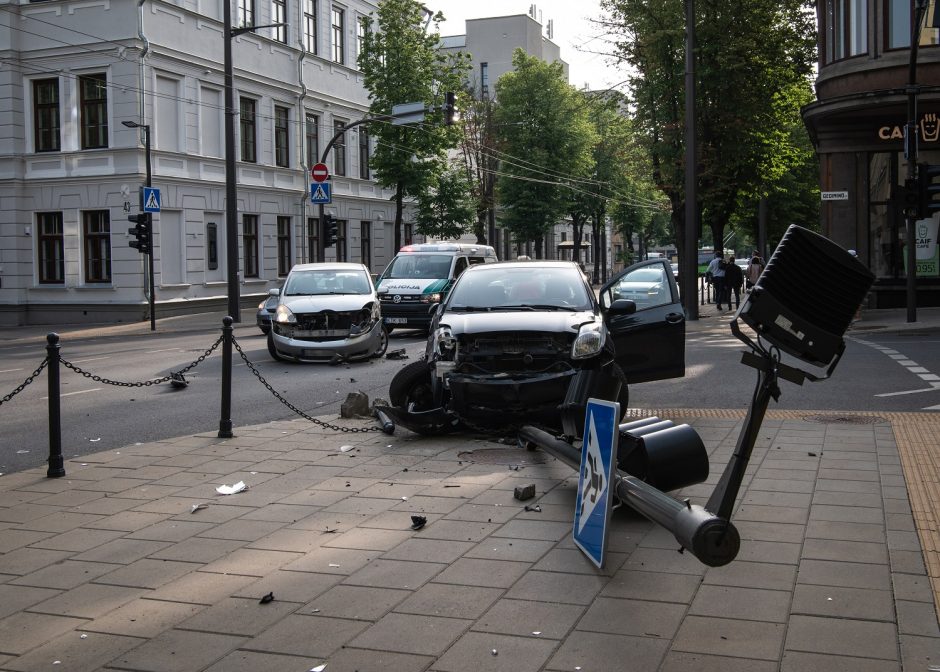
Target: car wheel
410, 389
624, 397
272, 349
383, 343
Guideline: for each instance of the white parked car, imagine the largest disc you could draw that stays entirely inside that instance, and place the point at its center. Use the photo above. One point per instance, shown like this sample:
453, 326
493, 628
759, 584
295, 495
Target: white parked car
327, 312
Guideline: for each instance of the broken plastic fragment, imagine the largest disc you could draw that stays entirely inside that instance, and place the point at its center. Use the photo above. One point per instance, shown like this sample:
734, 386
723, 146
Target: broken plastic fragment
199, 507
83, 636
231, 489
345, 449
495, 653
318, 668
267, 598
536, 632
21, 452
404, 499
333, 564
536, 508
417, 522
95, 440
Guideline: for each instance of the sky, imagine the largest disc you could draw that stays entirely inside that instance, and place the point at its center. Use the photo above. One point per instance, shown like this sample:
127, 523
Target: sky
574, 32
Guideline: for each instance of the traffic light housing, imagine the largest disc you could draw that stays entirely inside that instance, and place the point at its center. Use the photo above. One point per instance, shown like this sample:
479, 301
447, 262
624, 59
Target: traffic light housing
450, 108
928, 190
330, 230
142, 232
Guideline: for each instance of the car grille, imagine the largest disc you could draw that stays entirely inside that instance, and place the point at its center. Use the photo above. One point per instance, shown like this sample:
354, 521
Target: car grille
323, 326
496, 353
405, 298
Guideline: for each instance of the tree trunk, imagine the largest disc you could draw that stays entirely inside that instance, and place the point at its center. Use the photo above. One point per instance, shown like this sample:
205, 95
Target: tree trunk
399, 188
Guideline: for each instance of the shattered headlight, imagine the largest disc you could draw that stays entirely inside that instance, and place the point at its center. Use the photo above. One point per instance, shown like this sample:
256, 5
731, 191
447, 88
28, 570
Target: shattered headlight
590, 341
445, 345
430, 298
284, 315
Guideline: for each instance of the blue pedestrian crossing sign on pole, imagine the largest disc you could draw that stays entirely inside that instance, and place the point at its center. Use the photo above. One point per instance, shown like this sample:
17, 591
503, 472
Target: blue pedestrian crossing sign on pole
598, 455
151, 199
320, 192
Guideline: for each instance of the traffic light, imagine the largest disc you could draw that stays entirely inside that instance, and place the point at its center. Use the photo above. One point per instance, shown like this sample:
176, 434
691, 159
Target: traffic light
928, 189
142, 232
450, 108
330, 230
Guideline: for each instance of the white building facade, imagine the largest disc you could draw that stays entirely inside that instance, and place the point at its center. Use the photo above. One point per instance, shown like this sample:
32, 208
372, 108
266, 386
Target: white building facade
74, 70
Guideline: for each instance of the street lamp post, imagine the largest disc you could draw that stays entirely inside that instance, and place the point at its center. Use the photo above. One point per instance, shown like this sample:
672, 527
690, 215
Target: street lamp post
153, 289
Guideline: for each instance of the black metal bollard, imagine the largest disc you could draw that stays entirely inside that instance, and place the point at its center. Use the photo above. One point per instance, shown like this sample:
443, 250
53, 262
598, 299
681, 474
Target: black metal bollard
225, 422
56, 463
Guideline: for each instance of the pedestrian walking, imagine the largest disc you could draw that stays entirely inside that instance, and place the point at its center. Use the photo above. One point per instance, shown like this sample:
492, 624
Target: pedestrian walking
715, 274
754, 268
734, 278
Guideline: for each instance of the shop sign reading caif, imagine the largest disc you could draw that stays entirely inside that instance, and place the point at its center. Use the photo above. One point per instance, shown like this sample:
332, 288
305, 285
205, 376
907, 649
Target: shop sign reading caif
929, 129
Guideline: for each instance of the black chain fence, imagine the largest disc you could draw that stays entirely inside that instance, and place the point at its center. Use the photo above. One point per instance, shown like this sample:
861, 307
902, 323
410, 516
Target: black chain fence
26, 382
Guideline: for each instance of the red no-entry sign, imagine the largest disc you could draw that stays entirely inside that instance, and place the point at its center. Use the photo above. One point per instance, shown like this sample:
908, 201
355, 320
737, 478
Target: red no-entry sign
320, 173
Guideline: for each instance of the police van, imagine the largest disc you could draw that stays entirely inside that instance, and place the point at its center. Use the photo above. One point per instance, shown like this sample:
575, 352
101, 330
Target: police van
420, 276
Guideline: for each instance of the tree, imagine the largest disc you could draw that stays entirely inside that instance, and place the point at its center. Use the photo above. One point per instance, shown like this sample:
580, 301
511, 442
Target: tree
747, 53
478, 150
402, 63
446, 208
539, 117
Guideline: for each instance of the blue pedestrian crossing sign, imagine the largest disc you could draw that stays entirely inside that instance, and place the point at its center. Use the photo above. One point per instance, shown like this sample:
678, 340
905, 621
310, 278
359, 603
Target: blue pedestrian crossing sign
598, 452
320, 192
151, 199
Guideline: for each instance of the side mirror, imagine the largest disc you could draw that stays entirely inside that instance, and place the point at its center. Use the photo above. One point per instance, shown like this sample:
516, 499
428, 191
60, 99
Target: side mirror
622, 307
274, 292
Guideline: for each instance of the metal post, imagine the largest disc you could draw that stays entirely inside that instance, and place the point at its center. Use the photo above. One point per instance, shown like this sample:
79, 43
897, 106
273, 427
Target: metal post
910, 152
153, 287
56, 464
231, 195
690, 263
225, 422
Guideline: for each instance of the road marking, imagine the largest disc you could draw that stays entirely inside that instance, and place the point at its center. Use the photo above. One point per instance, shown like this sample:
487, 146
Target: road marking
10, 370
912, 366
150, 352
69, 394
90, 359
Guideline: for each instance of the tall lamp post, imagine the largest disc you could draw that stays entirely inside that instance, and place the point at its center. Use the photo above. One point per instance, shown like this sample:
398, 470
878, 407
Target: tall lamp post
153, 289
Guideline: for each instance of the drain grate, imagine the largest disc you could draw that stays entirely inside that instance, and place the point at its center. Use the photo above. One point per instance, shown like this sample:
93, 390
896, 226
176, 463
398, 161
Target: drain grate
838, 419
519, 456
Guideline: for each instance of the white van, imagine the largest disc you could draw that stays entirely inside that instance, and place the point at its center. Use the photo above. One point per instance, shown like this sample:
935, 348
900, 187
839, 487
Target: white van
420, 276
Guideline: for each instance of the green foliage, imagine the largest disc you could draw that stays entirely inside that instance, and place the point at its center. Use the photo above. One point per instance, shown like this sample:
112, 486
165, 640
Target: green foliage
446, 209
402, 63
543, 123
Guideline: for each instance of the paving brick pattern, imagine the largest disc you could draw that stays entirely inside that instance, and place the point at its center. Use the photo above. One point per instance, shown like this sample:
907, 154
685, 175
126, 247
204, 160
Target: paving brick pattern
109, 568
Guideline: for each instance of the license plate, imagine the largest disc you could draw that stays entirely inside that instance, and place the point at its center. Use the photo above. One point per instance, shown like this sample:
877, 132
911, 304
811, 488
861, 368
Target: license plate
396, 320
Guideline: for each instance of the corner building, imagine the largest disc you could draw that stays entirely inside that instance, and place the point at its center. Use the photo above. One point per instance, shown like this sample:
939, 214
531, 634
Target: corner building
857, 126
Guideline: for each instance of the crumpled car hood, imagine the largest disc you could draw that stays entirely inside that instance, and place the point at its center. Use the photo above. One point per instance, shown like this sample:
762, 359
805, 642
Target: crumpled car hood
335, 302
509, 321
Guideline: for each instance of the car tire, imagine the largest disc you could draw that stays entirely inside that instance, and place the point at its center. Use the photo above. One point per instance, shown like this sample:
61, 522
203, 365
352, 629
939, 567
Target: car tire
383, 343
412, 385
272, 349
624, 397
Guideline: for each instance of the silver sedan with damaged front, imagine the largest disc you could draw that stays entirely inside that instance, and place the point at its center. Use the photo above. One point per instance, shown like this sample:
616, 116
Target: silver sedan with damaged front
327, 312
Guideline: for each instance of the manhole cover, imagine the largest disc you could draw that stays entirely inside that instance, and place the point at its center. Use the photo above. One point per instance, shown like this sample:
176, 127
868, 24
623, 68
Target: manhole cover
837, 419
519, 456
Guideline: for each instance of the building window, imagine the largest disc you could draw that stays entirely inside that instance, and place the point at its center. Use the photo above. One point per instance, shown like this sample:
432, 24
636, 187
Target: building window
279, 14
51, 248
247, 127
250, 244
96, 230
313, 140
484, 79
46, 115
313, 237
94, 95
310, 26
341, 251
246, 13
898, 17
339, 149
281, 154
846, 28
337, 30
283, 245
364, 153
212, 246
362, 29
365, 236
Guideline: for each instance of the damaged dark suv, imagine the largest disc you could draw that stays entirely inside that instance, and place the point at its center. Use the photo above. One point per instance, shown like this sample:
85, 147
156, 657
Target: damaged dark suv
528, 342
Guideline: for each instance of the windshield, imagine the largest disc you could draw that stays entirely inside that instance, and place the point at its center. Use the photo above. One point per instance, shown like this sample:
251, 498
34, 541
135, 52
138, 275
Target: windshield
432, 266
539, 288
316, 282
644, 275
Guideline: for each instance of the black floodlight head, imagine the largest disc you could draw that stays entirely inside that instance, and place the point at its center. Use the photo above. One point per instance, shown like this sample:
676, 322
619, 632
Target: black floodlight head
805, 299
